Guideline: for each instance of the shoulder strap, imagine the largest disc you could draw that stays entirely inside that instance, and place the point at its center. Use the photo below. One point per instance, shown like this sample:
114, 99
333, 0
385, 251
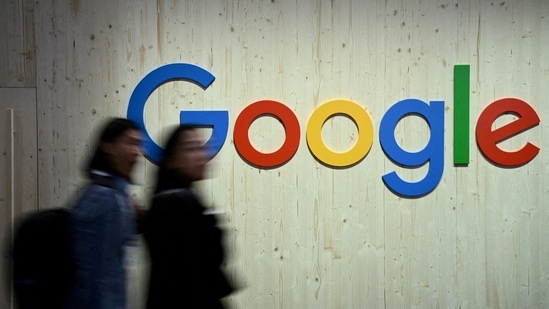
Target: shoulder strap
182, 192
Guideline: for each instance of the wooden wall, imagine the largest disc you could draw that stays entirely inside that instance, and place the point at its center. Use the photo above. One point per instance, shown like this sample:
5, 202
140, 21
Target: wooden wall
305, 235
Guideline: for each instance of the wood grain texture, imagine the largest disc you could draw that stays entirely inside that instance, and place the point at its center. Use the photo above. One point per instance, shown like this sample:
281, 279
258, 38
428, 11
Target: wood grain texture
18, 167
18, 48
304, 234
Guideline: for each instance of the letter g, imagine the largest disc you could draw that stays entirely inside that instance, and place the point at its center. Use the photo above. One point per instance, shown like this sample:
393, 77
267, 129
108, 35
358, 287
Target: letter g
217, 119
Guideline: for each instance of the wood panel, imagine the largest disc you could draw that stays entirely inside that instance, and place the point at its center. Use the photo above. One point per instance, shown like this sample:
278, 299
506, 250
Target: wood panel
18, 167
304, 234
18, 49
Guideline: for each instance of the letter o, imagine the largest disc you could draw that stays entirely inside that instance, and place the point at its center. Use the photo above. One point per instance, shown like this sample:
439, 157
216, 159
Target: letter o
242, 140
365, 133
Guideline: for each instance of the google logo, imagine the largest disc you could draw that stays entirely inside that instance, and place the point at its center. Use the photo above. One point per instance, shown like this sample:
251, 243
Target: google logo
433, 113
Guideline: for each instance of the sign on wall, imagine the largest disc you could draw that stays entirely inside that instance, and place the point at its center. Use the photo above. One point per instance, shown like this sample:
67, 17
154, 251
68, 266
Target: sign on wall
432, 112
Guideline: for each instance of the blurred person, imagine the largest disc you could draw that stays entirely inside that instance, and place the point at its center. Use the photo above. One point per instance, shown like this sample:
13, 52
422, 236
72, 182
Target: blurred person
103, 220
185, 244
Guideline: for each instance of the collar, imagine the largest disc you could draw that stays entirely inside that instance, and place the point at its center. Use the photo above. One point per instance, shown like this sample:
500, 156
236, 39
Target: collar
108, 180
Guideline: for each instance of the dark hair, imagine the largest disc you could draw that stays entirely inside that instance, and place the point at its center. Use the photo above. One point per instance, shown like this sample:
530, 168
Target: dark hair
165, 177
113, 128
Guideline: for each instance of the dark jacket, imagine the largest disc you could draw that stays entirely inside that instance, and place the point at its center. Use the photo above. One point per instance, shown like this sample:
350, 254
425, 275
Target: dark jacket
185, 247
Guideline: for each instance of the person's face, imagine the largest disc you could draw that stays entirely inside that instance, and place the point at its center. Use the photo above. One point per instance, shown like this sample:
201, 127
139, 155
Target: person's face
190, 157
124, 152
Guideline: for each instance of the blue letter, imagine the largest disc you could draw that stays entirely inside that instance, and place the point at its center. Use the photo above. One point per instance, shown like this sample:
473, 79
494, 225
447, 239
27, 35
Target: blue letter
219, 120
432, 153
216, 119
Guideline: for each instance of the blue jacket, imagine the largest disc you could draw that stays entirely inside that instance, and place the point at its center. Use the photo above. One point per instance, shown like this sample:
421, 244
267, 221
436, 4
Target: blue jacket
101, 224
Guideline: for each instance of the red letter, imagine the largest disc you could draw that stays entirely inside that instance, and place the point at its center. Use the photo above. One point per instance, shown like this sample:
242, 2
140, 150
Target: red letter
487, 139
266, 108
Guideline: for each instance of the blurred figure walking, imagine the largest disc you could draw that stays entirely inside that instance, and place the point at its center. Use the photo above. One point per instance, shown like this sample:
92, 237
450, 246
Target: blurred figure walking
184, 242
103, 220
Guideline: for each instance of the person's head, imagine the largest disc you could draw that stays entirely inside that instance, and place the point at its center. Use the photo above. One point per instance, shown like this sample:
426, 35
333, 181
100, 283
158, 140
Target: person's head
118, 148
185, 153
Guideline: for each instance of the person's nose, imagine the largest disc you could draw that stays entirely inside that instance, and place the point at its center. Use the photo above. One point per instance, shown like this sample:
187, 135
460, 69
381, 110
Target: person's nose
203, 154
137, 150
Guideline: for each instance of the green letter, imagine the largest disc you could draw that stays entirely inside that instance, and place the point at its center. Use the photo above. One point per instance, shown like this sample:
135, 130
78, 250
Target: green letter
461, 114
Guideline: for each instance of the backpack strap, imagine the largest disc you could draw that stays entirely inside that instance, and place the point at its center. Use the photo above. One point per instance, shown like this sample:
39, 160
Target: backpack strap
182, 192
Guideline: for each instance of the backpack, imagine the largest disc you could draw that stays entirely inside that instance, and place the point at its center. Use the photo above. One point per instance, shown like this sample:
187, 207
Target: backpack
42, 264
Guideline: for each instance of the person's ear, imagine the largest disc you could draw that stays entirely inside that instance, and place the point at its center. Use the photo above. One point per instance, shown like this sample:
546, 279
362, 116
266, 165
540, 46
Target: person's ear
107, 148
169, 163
